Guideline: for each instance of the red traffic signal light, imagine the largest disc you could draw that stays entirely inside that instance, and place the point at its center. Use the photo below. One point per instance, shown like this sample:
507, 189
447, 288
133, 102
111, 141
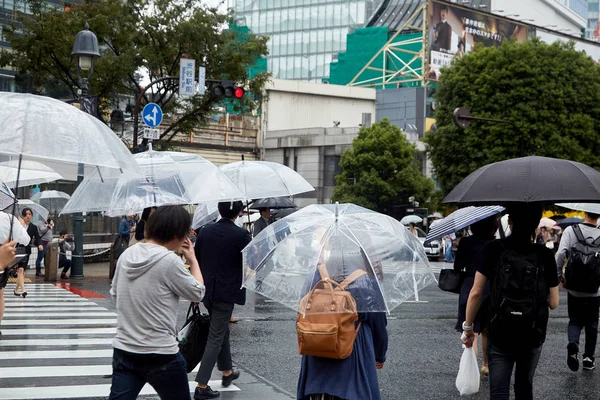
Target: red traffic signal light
226, 89
239, 92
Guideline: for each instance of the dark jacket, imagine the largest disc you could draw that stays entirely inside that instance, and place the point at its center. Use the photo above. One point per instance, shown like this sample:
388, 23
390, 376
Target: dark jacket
219, 251
34, 234
259, 225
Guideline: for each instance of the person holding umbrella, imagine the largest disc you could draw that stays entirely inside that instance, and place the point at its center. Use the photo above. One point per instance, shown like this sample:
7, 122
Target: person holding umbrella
523, 288
262, 222
33, 233
45, 229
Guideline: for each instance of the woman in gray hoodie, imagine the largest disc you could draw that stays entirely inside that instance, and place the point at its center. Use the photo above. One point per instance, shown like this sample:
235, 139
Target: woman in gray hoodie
149, 281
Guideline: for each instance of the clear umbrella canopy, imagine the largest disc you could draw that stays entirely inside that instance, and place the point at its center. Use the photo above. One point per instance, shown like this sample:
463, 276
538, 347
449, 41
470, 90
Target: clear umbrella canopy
52, 200
204, 214
262, 179
167, 178
44, 129
39, 212
281, 262
32, 173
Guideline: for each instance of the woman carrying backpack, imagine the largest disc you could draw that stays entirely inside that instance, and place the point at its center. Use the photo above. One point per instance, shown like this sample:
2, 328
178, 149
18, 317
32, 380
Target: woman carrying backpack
467, 257
355, 377
524, 285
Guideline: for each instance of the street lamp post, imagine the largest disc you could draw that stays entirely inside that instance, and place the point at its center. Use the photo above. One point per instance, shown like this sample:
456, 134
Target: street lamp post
86, 50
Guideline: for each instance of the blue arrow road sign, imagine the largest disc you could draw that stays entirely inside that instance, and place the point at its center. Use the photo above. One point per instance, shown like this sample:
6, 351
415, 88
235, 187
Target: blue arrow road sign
152, 115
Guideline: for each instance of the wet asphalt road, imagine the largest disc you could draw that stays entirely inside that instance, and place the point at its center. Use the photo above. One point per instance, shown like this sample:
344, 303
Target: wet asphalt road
423, 356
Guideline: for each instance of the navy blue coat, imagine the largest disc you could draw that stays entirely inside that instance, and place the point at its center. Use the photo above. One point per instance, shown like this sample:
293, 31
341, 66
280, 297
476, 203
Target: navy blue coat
219, 251
353, 378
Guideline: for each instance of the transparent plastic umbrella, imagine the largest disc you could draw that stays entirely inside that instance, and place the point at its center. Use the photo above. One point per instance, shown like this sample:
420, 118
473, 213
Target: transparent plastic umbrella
262, 179
281, 262
52, 200
32, 173
44, 129
414, 219
39, 212
204, 214
167, 178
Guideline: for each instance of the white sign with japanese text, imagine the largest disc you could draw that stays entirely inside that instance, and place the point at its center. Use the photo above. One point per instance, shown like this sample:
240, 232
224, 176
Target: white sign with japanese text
151, 134
187, 77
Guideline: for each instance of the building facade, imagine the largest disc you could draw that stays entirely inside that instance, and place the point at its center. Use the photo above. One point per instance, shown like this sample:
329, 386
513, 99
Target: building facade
305, 34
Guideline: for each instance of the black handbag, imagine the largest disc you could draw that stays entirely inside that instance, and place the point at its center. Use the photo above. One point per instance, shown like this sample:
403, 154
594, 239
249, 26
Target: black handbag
451, 280
193, 345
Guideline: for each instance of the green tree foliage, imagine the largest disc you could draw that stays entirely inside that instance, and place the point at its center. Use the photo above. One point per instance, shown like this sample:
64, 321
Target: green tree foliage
380, 170
550, 92
134, 36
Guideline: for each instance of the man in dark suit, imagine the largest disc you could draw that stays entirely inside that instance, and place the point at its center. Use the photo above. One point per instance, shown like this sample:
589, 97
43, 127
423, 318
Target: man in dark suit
262, 222
443, 32
219, 250
36, 240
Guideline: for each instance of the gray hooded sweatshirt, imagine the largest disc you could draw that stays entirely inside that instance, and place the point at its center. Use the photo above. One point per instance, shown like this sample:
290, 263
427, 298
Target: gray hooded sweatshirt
148, 282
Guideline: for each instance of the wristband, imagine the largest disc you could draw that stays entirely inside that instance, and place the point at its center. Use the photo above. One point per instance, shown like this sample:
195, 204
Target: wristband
467, 328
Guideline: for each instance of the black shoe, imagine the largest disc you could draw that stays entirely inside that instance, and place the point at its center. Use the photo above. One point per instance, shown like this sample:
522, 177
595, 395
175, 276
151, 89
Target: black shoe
39, 274
24, 294
206, 393
589, 363
572, 360
226, 381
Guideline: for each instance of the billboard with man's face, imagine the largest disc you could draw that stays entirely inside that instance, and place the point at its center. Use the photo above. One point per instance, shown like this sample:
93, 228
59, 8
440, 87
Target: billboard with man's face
454, 31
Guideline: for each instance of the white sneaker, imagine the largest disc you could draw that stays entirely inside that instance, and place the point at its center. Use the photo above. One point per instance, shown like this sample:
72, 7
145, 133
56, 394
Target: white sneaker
589, 364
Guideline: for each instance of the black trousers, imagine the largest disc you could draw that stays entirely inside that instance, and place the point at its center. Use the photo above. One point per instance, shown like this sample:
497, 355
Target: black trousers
217, 346
583, 313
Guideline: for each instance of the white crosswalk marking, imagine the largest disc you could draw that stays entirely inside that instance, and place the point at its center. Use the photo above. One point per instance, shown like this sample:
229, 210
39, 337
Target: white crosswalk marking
57, 345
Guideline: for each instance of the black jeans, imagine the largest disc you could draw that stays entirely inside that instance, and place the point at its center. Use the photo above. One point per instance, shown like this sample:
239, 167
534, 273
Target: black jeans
583, 313
167, 374
217, 346
501, 363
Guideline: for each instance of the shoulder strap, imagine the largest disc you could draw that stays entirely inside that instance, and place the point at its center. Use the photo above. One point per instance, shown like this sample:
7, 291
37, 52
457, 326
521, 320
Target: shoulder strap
323, 271
352, 277
596, 242
578, 233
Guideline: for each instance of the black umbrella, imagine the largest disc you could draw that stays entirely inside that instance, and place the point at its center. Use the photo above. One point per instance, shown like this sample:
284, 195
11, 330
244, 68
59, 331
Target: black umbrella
563, 223
284, 212
274, 202
528, 180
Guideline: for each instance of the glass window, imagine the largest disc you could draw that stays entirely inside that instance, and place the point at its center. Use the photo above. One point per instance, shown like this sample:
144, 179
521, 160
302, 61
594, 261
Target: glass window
284, 20
305, 42
262, 22
275, 67
290, 43
321, 23
277, 21
345, 14
361, 13
270, 4
282, 68
275, 39
313, 42
305, 67
320, 41
298, 43
329, 15
329, 39
337, 14
297, 67
292, 19
312, 66
284, 3
320, 65
254, 22
306, 18
314, 16
269, 24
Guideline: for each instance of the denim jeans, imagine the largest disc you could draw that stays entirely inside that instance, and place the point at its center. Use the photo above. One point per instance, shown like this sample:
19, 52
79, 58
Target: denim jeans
167, 374
40, 257
583, 313
501, 363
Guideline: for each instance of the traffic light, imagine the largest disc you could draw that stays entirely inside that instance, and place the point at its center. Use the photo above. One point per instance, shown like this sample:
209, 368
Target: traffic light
226, 89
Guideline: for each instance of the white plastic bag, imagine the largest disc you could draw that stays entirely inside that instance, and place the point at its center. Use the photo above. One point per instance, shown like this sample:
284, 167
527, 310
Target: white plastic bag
467, 380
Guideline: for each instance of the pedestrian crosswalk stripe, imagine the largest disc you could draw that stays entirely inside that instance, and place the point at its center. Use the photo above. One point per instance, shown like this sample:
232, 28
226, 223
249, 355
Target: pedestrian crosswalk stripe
54, 342
85, 391
55, 354
61, 314
14, 280
62, 308
43, 336
27, 303
34, 331
99, 321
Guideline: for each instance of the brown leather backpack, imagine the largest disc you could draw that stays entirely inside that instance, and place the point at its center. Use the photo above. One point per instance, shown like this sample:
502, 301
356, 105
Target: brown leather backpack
326, 323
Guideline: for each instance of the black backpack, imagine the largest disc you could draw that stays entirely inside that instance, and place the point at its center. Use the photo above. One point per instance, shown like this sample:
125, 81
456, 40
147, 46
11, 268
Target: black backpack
582, 273
519, 300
